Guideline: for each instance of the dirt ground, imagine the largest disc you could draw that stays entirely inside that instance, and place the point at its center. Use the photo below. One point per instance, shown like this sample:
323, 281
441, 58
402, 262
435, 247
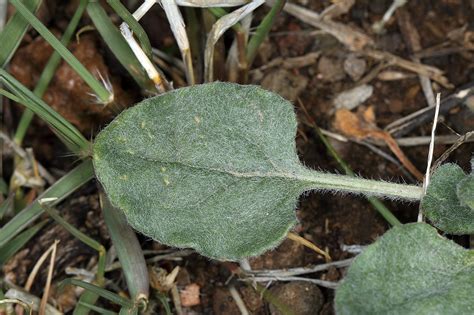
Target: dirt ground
332, 222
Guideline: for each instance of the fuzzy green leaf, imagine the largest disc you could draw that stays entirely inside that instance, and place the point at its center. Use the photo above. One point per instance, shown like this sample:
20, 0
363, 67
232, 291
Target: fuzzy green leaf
441, 204
465, 191
189, 169
213, 167
409, 270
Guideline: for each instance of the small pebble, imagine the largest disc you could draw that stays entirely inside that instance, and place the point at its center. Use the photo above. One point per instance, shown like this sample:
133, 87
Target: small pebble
302, 298
352, 98
355, 67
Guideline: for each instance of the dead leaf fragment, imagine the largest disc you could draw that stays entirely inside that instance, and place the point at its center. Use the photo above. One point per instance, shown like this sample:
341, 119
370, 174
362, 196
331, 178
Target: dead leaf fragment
190, 295
362, 126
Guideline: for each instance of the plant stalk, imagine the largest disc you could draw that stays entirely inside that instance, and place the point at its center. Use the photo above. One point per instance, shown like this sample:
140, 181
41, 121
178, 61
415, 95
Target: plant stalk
314, 180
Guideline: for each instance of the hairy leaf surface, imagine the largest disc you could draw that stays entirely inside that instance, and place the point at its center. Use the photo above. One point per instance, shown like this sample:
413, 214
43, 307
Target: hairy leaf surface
465, 191
213, 167
409, 270
208, 168
446, 203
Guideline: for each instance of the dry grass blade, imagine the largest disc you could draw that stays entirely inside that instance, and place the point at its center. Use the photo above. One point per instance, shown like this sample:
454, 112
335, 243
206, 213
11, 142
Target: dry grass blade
160, 82
236, 58
114, 40
44, 299
306, 243
218, 29
178, 28
39, 263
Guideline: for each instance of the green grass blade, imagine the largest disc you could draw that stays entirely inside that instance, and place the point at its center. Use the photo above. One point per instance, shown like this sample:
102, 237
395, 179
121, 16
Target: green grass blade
128, 250
97, 309
49, 71
115, 298
102, 93
164, 301
14, 245
128, 18
117, 44
61, 189
262, 31
128, 311
68, 133
87, 298
11, 96
14, 31
6, 205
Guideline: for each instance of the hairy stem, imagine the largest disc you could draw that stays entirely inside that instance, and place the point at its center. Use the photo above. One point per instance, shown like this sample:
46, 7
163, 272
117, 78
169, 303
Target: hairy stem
314, 180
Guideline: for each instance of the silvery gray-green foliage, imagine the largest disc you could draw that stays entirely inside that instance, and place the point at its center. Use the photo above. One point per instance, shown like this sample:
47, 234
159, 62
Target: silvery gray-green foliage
465, 191
448, 201
409, 270
213, 167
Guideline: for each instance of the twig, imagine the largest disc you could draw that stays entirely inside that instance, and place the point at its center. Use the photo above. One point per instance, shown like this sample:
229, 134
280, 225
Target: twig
300, 270
379, 26
349, 36
357, 41
406, 124
322, 283
422, 69
468, 137
238, 300
412, 38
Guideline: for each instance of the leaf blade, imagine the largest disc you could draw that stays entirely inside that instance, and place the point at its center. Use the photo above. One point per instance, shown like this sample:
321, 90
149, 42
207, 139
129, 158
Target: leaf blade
441, 204
409, 270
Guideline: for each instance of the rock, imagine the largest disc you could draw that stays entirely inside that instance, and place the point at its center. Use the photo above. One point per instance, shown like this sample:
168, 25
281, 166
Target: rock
331, 69
302, 298
355, 67
285, 83
352, 98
